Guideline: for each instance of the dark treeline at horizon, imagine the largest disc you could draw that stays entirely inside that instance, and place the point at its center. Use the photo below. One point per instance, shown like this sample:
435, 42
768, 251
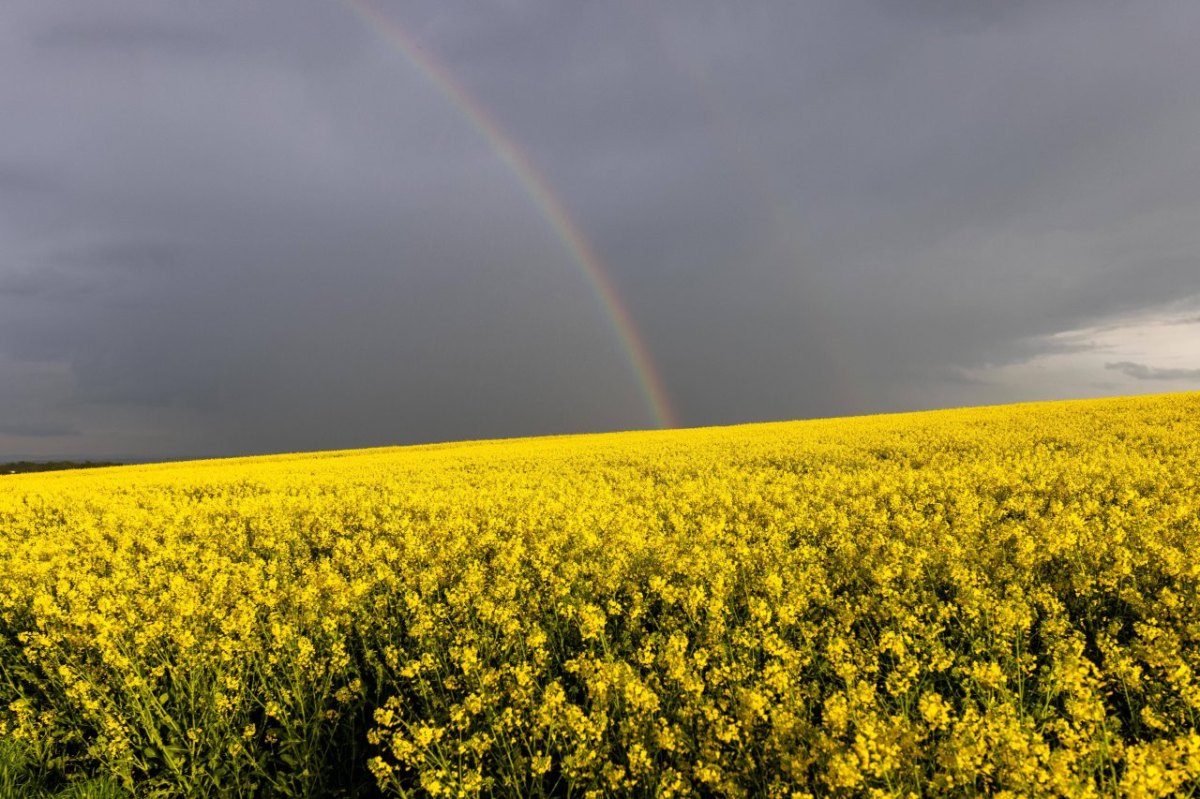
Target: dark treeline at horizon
22, 467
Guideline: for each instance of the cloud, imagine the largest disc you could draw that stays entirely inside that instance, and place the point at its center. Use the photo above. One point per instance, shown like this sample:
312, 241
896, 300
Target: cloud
1141, 371
137, 254
964, 15
123, 36
91, 271
17, 430
22, 182
806, 208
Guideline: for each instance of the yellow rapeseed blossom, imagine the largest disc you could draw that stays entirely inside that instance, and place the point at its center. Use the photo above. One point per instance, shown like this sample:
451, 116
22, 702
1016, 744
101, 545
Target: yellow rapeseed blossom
1000, 601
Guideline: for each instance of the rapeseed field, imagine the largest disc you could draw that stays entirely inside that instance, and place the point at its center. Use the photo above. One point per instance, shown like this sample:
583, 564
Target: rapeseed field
997, 601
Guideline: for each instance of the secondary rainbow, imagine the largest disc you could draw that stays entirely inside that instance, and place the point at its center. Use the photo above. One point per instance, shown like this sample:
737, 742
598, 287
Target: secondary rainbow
549, 205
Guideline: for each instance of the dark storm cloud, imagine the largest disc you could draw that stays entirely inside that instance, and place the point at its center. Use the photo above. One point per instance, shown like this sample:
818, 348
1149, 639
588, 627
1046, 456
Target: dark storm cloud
103, 34
962, 14
138, 255
1143, 372
17, 182
38, 430
235, 227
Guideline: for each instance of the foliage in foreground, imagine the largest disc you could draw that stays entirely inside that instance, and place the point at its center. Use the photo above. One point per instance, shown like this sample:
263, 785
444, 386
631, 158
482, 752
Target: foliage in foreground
940, 604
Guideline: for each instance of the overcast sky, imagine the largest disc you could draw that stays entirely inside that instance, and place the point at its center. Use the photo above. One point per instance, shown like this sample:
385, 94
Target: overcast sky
231, 227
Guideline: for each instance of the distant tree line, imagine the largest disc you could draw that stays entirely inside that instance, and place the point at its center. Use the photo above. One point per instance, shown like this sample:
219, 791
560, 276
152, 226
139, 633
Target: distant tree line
20, 467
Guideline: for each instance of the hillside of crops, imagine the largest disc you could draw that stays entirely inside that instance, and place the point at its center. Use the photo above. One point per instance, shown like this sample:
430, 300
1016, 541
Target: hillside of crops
951, 603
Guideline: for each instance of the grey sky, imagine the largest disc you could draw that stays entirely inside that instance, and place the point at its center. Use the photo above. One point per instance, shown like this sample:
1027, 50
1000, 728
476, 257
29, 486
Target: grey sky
234, 227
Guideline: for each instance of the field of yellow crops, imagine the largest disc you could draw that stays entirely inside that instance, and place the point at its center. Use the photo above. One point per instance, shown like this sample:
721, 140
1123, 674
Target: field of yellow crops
936, 604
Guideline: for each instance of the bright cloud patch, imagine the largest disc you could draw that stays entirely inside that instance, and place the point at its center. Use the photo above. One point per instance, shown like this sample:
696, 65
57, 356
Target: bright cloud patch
1156, 351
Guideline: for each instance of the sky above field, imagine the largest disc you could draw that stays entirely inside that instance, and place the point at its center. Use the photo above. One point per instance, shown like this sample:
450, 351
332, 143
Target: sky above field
232, 227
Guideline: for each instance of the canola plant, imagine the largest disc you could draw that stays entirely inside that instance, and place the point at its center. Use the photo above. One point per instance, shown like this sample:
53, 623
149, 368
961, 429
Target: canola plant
997, 601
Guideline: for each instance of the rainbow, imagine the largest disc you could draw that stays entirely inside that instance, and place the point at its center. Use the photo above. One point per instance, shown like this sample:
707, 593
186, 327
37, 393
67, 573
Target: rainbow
547, 202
